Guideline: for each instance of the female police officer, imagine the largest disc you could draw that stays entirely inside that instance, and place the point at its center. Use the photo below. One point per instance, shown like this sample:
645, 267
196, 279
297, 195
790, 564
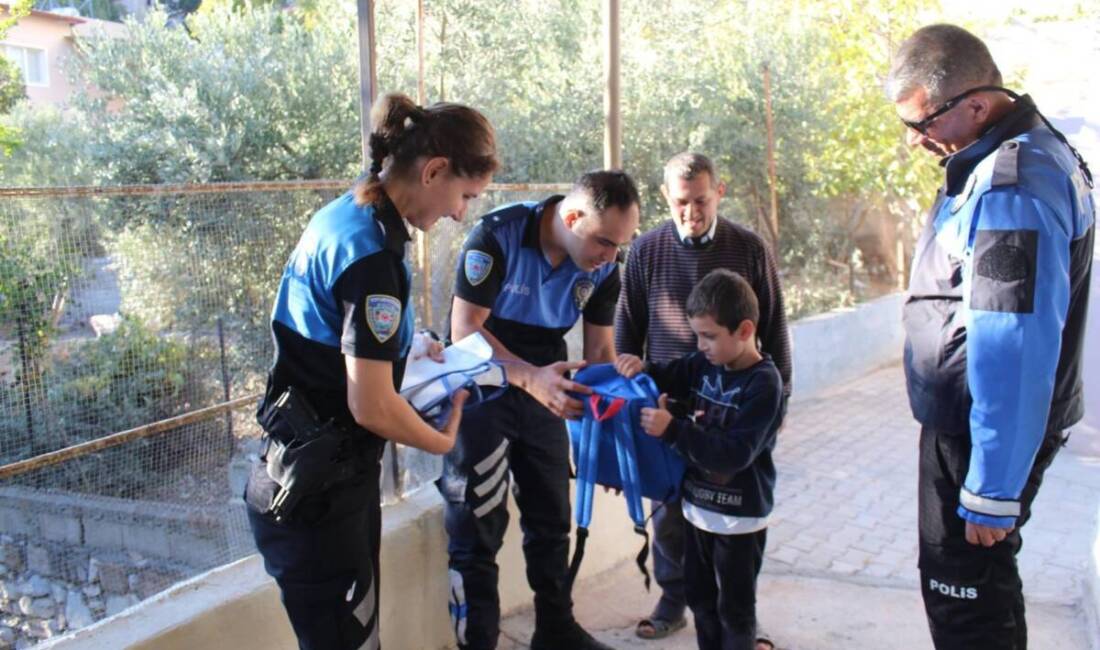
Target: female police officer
342, 327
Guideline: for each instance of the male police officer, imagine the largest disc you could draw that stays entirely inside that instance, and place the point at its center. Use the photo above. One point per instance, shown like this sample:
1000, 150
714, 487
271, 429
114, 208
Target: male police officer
527, 272
664, 265
995, 323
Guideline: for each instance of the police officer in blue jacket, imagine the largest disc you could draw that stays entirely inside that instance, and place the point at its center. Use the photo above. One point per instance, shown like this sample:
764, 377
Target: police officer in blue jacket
995, 323
526, 273
342, 327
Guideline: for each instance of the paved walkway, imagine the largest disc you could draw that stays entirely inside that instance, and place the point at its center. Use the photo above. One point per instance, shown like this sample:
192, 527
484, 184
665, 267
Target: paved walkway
840, 570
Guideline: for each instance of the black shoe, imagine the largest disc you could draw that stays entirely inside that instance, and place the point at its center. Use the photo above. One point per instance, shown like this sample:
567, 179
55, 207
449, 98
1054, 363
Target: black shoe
566, 636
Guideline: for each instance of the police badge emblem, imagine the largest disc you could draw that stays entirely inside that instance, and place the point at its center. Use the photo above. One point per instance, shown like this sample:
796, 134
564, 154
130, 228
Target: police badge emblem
582, 291
383, 316
477, 266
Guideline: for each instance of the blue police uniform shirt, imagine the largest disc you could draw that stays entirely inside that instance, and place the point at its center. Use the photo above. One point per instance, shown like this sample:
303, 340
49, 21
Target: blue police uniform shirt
344, 291
996, 308
532, 304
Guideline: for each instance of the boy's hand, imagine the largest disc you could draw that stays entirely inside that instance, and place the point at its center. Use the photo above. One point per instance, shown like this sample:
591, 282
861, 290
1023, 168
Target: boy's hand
655, 420
628, 365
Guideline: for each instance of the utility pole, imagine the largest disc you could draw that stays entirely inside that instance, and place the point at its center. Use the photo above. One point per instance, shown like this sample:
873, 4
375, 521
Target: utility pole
612, 107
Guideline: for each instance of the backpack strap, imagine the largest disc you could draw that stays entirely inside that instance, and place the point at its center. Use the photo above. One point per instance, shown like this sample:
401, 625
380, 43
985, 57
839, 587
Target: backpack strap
588, 458
627, 454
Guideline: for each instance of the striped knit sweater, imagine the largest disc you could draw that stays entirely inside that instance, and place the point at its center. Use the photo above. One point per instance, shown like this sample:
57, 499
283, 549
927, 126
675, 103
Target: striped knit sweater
650, 321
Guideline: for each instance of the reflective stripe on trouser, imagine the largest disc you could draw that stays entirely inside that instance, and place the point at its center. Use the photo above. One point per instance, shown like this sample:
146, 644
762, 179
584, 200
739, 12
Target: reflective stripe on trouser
325, 563
510, 436
973, 595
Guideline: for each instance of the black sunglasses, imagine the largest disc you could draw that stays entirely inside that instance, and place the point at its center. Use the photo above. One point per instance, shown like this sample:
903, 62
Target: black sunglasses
922, 126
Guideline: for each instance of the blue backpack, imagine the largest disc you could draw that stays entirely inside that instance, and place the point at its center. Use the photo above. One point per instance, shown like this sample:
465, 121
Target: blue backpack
610, 449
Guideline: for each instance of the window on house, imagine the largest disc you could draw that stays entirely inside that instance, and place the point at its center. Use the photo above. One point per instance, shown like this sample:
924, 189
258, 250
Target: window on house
31, 61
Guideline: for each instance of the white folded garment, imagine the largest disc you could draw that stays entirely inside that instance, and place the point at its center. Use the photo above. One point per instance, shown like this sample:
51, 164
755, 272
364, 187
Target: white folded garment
429, 384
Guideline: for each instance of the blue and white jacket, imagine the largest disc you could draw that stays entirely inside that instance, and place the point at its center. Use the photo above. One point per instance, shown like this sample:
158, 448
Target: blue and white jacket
995, 317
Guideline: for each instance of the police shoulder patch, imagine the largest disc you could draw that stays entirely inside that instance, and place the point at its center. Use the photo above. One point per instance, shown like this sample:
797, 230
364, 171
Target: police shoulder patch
582, 291
383, 316
477, 266
1004, 271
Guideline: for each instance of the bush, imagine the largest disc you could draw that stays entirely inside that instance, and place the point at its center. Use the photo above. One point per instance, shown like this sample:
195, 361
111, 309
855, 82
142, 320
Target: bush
121, 380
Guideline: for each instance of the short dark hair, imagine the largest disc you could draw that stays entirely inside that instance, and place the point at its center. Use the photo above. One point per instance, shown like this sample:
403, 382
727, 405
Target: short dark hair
943, 59
726, 297
610, 188
689, 165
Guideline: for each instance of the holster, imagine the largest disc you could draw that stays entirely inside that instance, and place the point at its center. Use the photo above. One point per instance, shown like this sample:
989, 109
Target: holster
304, 454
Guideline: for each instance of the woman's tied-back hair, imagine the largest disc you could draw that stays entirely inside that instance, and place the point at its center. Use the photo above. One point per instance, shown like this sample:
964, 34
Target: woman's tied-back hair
402, 132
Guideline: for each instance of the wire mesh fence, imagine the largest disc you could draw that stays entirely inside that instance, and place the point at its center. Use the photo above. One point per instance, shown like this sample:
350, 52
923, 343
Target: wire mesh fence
134, 339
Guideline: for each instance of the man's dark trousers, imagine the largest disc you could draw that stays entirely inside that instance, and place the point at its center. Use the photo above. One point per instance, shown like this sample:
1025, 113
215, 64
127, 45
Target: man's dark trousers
973, 595
517, 435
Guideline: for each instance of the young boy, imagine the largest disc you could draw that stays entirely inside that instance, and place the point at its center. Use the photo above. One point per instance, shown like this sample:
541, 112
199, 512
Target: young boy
734, 396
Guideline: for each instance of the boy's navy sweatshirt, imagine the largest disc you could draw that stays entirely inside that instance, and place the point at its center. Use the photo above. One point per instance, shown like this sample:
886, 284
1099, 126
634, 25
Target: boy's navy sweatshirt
725, 428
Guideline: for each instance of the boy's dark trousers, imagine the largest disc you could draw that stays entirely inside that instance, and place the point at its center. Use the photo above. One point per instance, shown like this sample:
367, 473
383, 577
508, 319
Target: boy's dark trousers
511, 435
325, 560
973, 595
720, 582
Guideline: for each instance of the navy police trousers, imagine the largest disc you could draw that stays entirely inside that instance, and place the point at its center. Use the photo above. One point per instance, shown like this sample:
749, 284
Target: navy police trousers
325, 561
973, 595
511, 435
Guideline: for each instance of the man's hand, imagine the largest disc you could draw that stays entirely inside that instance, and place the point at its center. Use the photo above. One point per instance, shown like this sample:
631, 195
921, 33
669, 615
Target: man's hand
424, 345
655, 420
986, 535
628, 365
549, 386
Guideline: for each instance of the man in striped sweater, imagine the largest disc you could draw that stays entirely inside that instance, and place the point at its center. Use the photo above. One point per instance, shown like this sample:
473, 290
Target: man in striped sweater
650, 322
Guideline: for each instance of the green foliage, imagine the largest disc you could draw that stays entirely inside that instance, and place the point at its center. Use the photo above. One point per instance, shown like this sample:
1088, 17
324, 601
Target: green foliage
250, 90
132, 374
186, 261
131, 377
54, 148
38, 261
15, 12
11, 85
9, 77
860, 150
252, 95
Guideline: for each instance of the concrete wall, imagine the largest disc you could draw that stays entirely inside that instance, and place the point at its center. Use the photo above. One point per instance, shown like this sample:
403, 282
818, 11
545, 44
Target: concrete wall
189, 535
1092, 587
236, 606
844, 344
